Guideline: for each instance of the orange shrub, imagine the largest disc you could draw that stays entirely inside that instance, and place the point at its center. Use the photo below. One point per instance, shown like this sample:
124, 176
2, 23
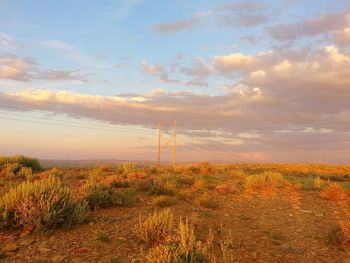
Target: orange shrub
334, 192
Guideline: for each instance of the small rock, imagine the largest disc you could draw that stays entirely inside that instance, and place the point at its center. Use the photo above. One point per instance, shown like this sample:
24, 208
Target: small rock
10, 247
306, 211
58, 259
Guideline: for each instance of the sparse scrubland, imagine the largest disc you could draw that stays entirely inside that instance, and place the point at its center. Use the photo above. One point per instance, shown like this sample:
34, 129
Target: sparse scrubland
192, 214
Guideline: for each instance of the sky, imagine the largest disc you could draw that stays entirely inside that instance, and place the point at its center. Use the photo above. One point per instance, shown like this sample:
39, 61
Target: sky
246, 81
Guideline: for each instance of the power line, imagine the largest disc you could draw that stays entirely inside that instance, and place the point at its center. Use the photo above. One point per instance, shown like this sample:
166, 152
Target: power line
65, 121
67, 125
220, 152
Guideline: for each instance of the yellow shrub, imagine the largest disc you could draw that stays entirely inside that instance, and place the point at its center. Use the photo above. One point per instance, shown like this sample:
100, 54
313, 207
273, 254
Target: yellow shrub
156, 227
334, 192
265, 181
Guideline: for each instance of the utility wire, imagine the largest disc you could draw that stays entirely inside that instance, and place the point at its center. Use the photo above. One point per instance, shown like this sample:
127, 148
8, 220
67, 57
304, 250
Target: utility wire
67, 125
57, 120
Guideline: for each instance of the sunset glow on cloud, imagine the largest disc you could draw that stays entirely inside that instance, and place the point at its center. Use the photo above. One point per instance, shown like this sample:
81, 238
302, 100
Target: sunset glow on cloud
258, 81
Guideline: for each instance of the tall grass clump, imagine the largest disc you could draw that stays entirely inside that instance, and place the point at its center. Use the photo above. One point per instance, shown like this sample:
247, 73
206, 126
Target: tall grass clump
21, 160
156, 227
334, 192
41, 204
340, 234
27, 173
100, 194
181, 247
265, 181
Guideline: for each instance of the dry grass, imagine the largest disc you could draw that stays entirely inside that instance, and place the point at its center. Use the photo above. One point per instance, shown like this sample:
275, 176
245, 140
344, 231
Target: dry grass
206, 201
334, 192
41, 204
182, 246
267, 181
156, 227
163, 201
340, 234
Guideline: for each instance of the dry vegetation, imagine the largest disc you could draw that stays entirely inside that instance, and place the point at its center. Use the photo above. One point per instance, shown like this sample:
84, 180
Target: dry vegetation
196, 213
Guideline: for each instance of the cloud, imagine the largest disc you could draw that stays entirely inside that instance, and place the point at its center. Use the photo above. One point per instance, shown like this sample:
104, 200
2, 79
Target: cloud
234, 63
310, 27
281, 103
342, 37
14, 68
174, 27
249, 39
199, 69
26, 69
238, 14
158, 71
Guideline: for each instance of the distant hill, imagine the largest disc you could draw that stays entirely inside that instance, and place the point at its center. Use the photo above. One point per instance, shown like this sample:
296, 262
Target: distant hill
46, 163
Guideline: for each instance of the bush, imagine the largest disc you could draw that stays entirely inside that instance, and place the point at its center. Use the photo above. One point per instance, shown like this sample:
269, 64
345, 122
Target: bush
22, 161
103, 196
157, 186
340, 234
26, 173
206, 201
265, 181
311, 183
182, 247
41, 204
163, 201
156, 227
334, 192
128, 168
206, 168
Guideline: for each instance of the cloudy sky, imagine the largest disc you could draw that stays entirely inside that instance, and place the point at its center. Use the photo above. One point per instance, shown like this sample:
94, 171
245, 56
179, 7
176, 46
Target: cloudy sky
247, 81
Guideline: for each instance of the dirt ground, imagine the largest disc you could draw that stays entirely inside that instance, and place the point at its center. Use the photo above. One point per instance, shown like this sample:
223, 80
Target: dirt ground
289, 225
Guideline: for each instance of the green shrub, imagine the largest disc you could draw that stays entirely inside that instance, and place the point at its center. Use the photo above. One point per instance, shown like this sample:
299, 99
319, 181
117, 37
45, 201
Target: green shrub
163, 201
157, 186
101, 236
22, 161
41, 204
103, 196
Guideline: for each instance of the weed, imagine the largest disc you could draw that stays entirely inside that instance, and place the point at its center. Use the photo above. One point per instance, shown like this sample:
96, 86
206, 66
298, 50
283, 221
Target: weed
340, 234
265, 181
275, 235
114, 259
156, 227
206, 201
103, 237
103, 196
181, 247
206, 168
334, 192
27, 173
158, 187
163, 201
41, 204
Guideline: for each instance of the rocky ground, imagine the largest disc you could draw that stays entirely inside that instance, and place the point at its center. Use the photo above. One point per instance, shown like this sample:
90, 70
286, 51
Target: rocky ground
290, 225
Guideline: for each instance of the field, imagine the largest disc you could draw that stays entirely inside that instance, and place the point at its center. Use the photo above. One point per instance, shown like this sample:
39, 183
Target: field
194, 213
